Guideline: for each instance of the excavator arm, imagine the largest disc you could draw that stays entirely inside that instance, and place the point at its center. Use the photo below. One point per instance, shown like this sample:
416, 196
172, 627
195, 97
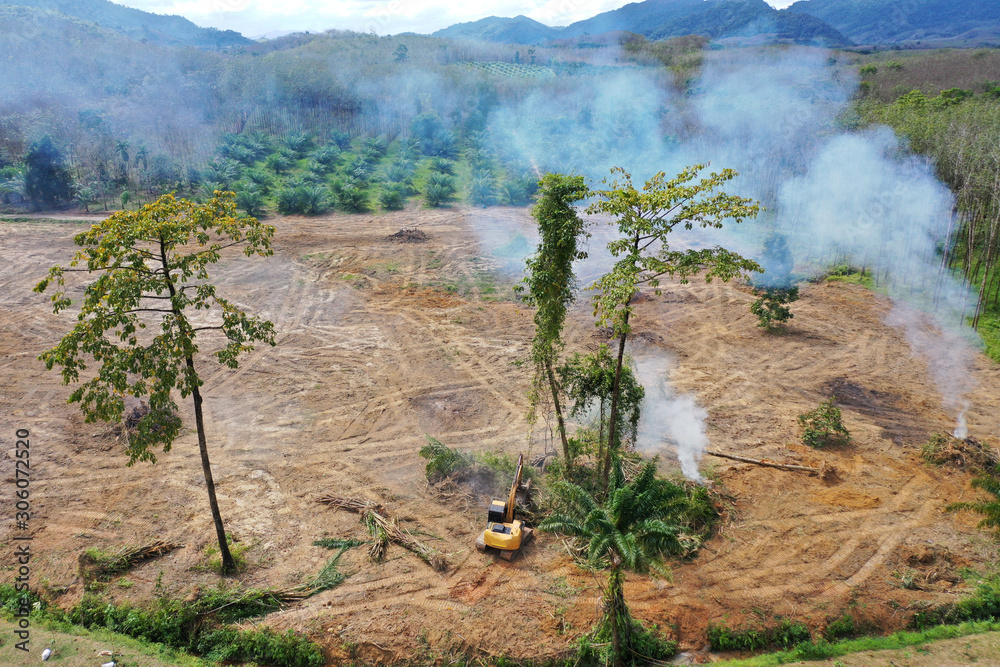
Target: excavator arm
512, 496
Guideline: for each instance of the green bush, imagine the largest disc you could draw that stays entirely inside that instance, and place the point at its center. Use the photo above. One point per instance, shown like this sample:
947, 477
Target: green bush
596, 648
771, 306
188, 627
303, 199
443, 461
823, 427
785, 635
391, 197
840, 628
351, 199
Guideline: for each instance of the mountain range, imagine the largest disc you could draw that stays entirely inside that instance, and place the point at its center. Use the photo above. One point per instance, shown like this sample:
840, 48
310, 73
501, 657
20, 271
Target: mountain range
139, 25
831, 23
824, 22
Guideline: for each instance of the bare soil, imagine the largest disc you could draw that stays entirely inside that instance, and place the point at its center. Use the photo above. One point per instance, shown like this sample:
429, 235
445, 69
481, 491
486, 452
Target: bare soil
380, 343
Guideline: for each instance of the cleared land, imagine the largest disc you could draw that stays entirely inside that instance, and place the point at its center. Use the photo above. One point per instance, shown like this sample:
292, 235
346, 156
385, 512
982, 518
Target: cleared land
380, 342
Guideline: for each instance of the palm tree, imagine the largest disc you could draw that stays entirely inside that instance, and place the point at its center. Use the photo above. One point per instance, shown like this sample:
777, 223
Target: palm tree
641, 523
990, 509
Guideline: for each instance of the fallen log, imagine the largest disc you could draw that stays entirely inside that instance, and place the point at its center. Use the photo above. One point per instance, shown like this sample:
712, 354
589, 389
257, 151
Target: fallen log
385, 529
769, 464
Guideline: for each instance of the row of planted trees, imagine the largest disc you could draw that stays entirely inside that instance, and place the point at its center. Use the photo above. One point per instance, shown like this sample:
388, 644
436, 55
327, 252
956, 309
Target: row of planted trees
960, 132
620, 524
291, 174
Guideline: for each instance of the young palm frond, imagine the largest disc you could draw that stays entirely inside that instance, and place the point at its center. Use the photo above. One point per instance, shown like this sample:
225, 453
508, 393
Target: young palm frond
990, 509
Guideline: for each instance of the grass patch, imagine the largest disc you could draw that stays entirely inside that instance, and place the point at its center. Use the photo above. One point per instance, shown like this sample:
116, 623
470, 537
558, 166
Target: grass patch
989, 330
202, 627
823, 650
238, 550
846, 273
756, 637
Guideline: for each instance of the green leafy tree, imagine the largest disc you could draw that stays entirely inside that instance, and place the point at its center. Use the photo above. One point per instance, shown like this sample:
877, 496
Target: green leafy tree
823, 426
401, 54
47, 181
550, 282
774, 289
990, 509
589, 378
152, 272
645, 219
639, 524
771, 306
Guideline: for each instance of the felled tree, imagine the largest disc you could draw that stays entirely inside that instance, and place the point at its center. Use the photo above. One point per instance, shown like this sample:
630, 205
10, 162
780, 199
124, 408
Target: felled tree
645, 218
550, 282
134, 321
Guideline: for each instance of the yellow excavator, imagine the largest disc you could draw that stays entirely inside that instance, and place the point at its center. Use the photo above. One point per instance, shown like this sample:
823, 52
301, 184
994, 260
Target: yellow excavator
505, 535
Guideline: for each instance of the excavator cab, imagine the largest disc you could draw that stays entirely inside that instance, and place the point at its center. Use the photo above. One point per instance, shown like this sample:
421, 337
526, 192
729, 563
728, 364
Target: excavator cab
504, 535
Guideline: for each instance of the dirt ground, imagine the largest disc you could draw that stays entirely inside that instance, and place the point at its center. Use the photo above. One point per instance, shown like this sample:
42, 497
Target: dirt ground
381, 342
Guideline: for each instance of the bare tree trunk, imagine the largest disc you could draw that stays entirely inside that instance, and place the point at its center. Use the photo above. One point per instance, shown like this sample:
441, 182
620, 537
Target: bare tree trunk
616, 388
559, 415
228, 563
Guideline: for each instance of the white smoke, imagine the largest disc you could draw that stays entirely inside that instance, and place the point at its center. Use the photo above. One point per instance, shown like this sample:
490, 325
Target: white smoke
669, 417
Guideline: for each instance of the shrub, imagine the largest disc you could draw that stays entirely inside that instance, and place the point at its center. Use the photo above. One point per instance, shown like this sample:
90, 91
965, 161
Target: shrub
754, 637
771, 305
868, 70
351, 199
436, 195
840, 628
483, 189
989, 509
823, 426
302, 199
391, 198
443, 461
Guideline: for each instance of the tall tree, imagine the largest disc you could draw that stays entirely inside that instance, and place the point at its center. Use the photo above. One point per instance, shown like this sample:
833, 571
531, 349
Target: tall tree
645, 218
134, 321
550, 283
639, 524
47, 181
590, 377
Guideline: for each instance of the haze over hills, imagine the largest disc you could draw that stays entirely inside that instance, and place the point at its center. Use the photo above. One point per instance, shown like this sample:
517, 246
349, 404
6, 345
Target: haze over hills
823, 22
139, 25
661, 19
894, 21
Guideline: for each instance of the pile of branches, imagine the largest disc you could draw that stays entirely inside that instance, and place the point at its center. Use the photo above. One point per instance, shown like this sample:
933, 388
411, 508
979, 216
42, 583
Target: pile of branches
385, 529
966, 453
408, 235
96, 565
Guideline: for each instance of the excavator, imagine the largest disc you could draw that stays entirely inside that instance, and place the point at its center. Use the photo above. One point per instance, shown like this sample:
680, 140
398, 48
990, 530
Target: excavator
505, 535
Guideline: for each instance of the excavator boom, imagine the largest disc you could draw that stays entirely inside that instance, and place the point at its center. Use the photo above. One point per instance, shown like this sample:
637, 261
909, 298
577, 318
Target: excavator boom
512, 497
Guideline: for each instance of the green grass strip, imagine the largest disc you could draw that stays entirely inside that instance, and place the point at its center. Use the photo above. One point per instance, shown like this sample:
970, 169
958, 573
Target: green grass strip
823, 650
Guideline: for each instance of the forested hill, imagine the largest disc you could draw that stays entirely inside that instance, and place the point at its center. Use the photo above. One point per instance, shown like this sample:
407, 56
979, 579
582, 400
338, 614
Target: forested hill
139, 25
895, 21
659, 19
518, 30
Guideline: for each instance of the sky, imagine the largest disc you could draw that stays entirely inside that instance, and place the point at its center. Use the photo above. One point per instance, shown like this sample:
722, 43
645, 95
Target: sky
384, 17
